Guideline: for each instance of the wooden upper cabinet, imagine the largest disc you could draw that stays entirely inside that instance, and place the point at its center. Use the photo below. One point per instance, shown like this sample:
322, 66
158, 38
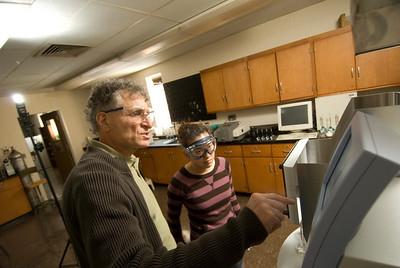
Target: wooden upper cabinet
227, 87
296, 71
237, 84
378, 68
263, 79
214, 90
335, 63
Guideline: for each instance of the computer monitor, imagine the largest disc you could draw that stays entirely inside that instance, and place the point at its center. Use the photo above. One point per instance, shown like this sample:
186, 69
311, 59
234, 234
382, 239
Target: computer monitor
295, 116
365, 161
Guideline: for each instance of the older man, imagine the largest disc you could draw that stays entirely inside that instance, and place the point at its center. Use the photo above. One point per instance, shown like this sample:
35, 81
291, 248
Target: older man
113, 218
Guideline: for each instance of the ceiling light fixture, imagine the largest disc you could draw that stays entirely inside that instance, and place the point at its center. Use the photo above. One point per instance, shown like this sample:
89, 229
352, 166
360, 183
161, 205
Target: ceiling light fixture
21, 2
3, 39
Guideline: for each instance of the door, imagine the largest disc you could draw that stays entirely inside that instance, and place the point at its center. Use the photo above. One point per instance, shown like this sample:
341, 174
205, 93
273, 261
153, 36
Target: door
56, 141
237, 84
214, 90
260, 174
378, 68
264, 79
295, 72
335, 64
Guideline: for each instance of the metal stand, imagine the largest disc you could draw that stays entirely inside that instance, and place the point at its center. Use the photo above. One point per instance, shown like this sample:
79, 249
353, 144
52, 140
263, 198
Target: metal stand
27, 126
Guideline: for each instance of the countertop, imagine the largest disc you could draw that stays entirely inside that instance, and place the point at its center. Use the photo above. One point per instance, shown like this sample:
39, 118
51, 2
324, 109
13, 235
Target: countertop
173, 142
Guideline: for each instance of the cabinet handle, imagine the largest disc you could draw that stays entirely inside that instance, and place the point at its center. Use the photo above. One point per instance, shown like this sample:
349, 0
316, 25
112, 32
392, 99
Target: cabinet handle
270, 168
358, 71
280, 86
223, 98
352, 72
256, 151
276, 87
228, 152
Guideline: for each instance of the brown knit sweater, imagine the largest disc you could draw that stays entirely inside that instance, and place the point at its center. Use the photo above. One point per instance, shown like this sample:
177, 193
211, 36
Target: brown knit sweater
109, 224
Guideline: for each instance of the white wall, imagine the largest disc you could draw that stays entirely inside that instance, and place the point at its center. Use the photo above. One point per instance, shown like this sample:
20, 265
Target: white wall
312, 20
69, 103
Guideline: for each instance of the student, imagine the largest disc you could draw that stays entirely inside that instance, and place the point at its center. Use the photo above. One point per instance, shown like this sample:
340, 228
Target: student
203, 186
112, 216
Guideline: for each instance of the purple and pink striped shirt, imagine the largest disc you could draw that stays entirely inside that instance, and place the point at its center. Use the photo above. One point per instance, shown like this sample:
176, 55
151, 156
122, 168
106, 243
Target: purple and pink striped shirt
210, 199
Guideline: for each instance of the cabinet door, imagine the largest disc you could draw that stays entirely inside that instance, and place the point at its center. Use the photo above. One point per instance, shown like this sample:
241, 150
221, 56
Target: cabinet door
13, 200
167, 162
281, 149
295, 72
237, 85
264, 79
260, 175
238, 174
257, 150
229, 151
279, 179
146, 163
378, 68
213, 90
335, 64
148, 168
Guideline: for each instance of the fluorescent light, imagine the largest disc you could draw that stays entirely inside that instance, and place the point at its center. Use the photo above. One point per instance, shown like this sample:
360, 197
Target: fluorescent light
3, 39
41, 19
23, 2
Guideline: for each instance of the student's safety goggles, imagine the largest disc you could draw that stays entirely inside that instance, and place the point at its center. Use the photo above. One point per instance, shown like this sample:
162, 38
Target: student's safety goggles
200, 148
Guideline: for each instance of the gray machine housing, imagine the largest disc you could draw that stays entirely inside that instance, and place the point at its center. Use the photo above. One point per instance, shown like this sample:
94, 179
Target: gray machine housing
365, 161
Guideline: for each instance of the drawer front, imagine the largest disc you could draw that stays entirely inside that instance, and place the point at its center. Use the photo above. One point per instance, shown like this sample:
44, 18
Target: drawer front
281, 149
229, 150
257, 150
143, 153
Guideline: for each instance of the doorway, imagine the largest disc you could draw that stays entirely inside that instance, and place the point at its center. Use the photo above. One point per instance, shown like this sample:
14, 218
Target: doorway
57, 144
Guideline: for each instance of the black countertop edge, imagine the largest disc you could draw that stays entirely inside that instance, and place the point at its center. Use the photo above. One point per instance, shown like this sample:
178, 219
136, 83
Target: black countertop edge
238, 142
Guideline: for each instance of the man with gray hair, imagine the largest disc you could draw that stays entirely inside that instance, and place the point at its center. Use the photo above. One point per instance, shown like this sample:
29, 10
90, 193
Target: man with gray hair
111, 214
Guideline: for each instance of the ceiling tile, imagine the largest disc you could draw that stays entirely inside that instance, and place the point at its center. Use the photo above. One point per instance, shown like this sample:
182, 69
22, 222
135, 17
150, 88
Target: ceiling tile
138, 33
96, 23
10, 59
181, 10
147, 6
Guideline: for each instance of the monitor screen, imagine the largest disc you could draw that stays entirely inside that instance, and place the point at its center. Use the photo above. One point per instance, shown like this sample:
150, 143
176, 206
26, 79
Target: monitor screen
295, 116
364, 162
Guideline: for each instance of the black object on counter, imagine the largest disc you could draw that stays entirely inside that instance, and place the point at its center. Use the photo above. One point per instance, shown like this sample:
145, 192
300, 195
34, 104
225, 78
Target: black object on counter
262, 133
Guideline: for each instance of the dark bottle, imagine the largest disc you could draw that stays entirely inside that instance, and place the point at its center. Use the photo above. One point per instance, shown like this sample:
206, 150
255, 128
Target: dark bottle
8, 167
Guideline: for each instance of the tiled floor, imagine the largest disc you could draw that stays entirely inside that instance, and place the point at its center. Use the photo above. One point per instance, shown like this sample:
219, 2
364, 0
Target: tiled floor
38, 240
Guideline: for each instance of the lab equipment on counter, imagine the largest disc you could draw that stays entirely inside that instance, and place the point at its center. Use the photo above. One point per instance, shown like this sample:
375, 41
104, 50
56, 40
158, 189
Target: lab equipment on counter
231, 131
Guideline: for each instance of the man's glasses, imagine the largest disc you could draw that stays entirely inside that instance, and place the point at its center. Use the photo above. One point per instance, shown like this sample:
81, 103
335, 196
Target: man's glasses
134, 113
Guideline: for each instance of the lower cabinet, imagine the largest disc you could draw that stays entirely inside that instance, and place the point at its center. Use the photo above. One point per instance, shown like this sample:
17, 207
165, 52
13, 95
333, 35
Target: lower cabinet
234, 155
260, 174
146, 164
279, 152
13, 200
160, 164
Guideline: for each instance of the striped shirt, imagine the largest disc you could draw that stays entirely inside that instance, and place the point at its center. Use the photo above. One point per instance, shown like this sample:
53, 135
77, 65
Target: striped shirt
210, 199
